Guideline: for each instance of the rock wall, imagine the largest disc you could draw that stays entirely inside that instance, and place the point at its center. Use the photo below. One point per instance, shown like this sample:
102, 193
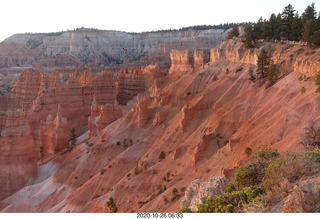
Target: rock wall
292, 57
198, 191
102, 116
18, 158
180, 60
54, 133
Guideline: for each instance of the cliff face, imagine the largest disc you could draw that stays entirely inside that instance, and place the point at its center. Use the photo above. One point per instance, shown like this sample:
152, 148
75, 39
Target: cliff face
102, 116
18, 158
134, 81
202, 119
40, 111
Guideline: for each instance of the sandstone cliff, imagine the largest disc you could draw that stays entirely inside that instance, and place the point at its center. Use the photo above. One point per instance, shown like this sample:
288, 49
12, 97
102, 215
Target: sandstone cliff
222, 113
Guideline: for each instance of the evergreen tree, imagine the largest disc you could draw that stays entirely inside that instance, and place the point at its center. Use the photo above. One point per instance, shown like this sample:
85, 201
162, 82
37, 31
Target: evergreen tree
311, 26
258, 29
273, 71
263, 63
73, 136
287, 19
278, 24
248, 37
296, 27
309, 14
234, 32
112, 205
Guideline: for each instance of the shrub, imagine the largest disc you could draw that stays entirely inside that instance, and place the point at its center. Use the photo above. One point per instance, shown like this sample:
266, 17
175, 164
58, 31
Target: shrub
104, 209
96, 196
131, 142
125, 143
230, 202
247, 175
227, 71
317, 79
248, 151
41, 150
291, 167
154, 171
311, 136
137, 170
214, 78
239, 69
303, 90
112, 205
300, 78
73, 137
175, 192
185, 210
161, 188
162, 155
266, 154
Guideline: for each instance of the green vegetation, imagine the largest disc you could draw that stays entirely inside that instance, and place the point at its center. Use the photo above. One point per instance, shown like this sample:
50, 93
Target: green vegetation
239, 69
227, 71
311, 137
162, 156
161, 188
317, 79
248, 38
175, 192
73, 137
137, 170
111, 204
273, 72
303, 90
234, 32
262, 182
96, 196
248, 151
287, 25
263, 63
41, 150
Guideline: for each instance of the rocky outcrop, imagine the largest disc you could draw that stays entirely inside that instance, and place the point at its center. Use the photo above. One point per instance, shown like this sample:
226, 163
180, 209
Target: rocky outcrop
292, 57
101, 116
144, 113
160, 117
130, 83
180, 61
187, 115
53, 133
18, 158
198, 191
201, 57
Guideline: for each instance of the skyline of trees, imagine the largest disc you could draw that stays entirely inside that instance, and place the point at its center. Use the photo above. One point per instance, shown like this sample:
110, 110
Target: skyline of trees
288, 25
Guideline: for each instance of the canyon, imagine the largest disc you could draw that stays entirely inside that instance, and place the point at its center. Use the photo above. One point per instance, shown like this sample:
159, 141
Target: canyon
95, 49
202, 112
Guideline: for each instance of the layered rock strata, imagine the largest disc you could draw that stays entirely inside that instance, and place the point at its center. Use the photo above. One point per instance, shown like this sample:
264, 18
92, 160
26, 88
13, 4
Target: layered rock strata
102, 116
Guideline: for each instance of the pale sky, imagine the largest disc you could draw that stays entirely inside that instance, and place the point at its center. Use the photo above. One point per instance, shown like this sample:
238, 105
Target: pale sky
23, 16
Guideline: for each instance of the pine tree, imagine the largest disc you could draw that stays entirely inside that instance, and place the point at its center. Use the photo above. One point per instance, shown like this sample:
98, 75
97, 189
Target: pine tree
311, 26
272, 75
112, 205
287, 19
278, 24
296, 27
73, 136
248, 37
234, 32
263, 63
